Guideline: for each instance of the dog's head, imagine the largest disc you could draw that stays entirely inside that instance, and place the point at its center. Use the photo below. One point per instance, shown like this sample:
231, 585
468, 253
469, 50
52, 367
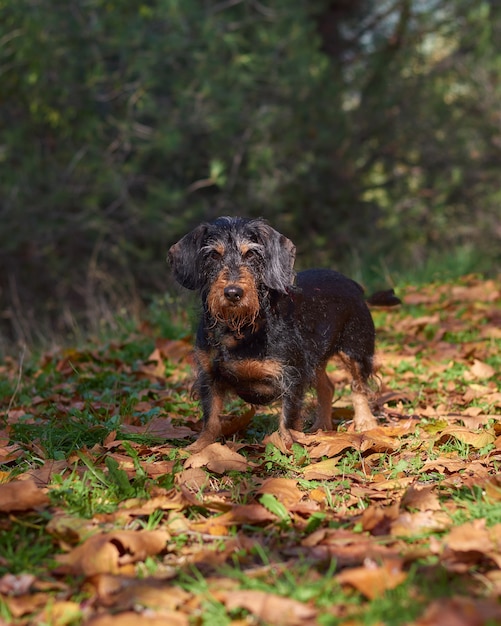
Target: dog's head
229, 260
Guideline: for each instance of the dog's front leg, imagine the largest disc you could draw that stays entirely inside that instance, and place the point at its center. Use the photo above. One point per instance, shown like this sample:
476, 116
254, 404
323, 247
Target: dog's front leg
212, 399
291, 416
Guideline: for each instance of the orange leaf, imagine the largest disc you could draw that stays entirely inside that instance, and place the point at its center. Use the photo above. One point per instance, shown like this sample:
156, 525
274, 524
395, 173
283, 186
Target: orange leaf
21, 495
284, 489
219, 459
478, 439
372, 580
270, 607
108, 552
479, 369
131, 618
421, 497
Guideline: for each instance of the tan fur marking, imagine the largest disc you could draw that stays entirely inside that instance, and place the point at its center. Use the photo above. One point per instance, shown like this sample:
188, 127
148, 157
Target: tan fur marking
212, 428
246, 247
218, 247
252, 369
325, 391
363, 418
203, 359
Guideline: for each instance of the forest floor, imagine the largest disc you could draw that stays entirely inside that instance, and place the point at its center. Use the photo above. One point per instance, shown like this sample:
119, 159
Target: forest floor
107, 519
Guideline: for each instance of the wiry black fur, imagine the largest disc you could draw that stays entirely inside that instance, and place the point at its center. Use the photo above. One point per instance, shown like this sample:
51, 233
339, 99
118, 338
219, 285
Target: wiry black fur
302, 321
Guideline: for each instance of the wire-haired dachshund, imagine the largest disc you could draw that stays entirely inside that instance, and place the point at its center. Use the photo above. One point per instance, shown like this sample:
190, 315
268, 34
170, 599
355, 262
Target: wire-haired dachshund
267, 333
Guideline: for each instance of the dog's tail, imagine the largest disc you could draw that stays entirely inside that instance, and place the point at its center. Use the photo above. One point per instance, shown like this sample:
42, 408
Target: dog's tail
385, 298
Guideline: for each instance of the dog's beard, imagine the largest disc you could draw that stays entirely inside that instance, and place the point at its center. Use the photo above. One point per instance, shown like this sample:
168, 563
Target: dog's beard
235, 317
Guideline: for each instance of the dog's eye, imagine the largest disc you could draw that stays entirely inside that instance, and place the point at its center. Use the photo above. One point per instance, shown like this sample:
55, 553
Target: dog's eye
214, 255
250, 254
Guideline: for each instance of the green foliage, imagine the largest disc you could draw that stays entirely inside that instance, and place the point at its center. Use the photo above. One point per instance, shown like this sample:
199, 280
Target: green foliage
363, 132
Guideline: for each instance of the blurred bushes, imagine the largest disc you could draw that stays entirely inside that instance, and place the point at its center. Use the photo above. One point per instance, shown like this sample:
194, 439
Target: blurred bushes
364, 130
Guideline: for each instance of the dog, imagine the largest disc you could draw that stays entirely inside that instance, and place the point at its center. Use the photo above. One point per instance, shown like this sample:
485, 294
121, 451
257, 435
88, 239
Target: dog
266, 333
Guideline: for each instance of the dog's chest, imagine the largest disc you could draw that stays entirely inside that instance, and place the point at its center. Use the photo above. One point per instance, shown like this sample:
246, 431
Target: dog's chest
248, 367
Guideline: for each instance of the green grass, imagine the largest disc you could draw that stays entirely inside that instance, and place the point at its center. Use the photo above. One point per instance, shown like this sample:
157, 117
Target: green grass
65, 406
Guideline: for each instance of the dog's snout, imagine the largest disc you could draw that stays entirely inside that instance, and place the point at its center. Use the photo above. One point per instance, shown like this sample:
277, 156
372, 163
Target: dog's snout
233, 293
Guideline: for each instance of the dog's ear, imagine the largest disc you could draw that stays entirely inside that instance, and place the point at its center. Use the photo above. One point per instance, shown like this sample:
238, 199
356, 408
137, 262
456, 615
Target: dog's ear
183, 258
280, 255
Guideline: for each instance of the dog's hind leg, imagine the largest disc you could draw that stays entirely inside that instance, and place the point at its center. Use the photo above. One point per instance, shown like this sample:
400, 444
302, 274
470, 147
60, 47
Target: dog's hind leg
360, 370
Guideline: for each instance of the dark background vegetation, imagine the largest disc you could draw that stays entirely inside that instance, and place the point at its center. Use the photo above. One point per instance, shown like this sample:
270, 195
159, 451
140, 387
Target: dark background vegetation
368, 131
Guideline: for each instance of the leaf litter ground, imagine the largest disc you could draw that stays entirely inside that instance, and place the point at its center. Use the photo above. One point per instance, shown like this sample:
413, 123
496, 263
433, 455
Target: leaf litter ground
105, 518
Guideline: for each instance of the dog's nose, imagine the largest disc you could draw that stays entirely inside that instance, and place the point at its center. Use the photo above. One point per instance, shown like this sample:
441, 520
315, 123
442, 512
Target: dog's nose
233, 293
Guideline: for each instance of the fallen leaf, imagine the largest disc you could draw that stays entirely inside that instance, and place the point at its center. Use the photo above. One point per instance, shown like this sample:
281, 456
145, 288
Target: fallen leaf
131, 618
24, 604
22, 495
284, 489
332, 444
239, 514
153, 368
372, 580
123, 592
16, 585
219, 459
60, 613
323, 470
461, 612
477, 439
479, 369
412, 524
108, 552
161, 427
421, 498
270, 608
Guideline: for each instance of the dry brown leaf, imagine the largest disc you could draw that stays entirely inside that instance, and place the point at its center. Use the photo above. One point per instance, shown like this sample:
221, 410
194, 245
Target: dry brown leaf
59, 613
332, 444
21, 495
108, 552
16, 585
444, 464
270, 608
278, 442
421, 498
377, 520
323, 470
411, 524
70, 529
239, 514
461, 612
471, 543
232, 424
24, 604
130, 618
482, 370
175, 350
478, 439
218, 459
124, 592
486, 291
493, 489
470, 536
153, 368
372, 580
284, 489
194, 478
161, 427
393, 484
